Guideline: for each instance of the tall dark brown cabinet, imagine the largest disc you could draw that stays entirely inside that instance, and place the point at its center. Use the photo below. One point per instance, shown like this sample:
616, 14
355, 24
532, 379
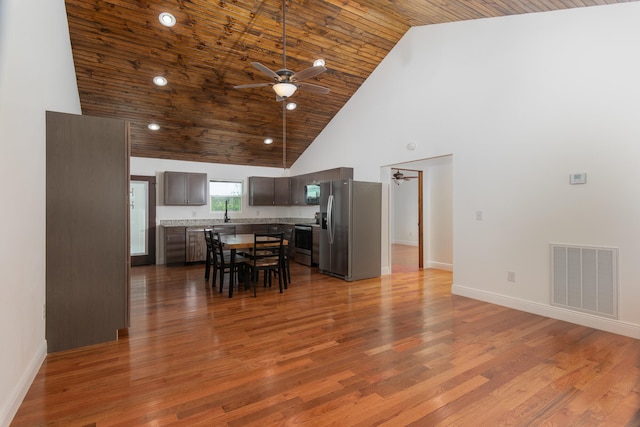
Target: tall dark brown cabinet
87, 259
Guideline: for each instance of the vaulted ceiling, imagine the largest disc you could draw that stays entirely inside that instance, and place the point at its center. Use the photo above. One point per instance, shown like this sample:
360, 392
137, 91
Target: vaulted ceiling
119, 46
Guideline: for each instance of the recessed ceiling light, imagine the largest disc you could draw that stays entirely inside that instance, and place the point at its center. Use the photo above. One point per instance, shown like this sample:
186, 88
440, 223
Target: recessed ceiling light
153, 126
291, 106
160, 80
318, 62
167, 19
268, 141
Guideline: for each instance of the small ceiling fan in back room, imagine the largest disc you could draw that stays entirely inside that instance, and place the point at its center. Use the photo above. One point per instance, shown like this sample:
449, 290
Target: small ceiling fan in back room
399, 177
286, 82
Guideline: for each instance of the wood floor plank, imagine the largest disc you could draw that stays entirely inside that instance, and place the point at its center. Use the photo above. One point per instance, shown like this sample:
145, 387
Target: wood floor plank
397, 350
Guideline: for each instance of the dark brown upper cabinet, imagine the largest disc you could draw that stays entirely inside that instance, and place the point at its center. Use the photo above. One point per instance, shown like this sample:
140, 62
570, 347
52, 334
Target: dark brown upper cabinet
268, 191
184, 188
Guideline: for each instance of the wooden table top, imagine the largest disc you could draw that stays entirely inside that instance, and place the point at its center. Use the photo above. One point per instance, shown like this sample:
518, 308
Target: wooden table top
240, 241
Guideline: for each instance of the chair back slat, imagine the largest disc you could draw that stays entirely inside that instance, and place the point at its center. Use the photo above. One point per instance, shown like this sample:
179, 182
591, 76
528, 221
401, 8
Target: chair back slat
267, 247
267, 255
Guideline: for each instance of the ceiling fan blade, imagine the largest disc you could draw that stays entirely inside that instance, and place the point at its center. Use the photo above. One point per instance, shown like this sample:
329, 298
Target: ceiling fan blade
310, 87
252, 85
308, 73
266, 70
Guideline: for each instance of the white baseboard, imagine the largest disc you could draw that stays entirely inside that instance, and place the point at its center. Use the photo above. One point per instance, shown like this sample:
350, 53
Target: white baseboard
440, 265
12, 403
610, 325
406, 242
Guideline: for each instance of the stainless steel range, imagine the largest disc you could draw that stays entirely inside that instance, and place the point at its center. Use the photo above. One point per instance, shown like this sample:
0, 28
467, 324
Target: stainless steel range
304, 243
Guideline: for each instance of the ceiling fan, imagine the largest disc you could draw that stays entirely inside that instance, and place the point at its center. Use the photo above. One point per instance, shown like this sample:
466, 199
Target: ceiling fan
399, 177
286, 82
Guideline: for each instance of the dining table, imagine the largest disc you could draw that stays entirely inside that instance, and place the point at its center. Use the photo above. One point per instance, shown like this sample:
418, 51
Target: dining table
233, 242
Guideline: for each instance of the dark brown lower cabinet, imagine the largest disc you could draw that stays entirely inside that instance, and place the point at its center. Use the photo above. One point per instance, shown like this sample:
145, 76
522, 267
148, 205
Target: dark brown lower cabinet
196, 245
87, 230
175, 245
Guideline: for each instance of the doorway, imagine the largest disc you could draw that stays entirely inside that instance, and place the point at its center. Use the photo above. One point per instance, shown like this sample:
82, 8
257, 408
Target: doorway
435, 219
142, 202
407, 250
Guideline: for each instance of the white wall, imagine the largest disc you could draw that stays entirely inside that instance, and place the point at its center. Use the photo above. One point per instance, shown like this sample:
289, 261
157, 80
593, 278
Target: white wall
36, 74
521, 102
438, 194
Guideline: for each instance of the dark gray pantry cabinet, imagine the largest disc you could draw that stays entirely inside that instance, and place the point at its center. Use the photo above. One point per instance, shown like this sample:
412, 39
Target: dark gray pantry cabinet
87, 230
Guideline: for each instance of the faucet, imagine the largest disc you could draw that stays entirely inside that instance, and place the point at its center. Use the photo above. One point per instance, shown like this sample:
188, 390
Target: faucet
226, 215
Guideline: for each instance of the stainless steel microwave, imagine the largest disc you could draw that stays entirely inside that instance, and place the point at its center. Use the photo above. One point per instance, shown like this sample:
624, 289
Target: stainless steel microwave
312, 194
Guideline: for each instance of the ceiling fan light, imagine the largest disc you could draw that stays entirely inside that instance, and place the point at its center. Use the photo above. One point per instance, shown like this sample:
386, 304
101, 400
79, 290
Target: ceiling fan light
284, 90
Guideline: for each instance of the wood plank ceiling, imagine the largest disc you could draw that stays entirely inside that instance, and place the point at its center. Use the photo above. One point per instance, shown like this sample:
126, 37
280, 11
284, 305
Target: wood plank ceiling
119, 46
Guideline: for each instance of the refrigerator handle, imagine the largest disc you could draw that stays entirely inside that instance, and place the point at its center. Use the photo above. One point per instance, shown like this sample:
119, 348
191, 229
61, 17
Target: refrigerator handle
330, 218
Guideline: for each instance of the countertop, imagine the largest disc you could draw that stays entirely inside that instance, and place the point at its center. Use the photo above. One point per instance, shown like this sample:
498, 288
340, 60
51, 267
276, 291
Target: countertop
205, 222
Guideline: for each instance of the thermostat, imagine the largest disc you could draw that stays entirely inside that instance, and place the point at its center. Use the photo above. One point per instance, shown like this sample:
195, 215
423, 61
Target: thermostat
578, 178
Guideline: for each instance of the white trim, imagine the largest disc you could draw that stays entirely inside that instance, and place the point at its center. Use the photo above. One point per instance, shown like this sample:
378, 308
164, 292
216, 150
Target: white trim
406, 242
610, 325
440, 265
13, 402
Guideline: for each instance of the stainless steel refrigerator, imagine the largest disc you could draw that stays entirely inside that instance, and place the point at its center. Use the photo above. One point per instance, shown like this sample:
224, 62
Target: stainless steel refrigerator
351, 216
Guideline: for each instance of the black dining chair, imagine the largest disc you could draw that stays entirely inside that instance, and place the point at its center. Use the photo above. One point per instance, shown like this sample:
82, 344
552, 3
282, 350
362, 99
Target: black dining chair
288, 253
288, 250
222, 264
210, 258
267, 256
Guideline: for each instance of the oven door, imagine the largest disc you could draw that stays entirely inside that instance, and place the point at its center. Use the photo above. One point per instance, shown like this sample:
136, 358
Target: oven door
304, 244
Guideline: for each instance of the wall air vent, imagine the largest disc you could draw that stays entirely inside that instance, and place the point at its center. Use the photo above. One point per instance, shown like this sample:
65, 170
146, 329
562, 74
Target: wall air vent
585, 278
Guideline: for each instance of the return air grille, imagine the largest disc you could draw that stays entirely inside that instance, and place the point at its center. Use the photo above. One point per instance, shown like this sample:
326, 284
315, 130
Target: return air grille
585, 278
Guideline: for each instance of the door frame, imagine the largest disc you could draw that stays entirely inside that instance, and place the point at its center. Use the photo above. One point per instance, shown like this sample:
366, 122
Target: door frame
420, 221
150, 257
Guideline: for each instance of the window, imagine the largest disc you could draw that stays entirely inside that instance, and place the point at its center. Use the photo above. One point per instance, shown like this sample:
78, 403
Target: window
225, 195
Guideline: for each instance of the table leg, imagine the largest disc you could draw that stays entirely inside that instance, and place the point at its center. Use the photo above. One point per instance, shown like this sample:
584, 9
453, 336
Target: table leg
231, 272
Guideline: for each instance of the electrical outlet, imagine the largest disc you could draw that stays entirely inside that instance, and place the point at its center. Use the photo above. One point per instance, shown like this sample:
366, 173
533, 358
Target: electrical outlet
511, 276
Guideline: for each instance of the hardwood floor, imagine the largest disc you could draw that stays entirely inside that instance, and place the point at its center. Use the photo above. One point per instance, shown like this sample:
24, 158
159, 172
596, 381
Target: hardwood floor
404, 258
394, 351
